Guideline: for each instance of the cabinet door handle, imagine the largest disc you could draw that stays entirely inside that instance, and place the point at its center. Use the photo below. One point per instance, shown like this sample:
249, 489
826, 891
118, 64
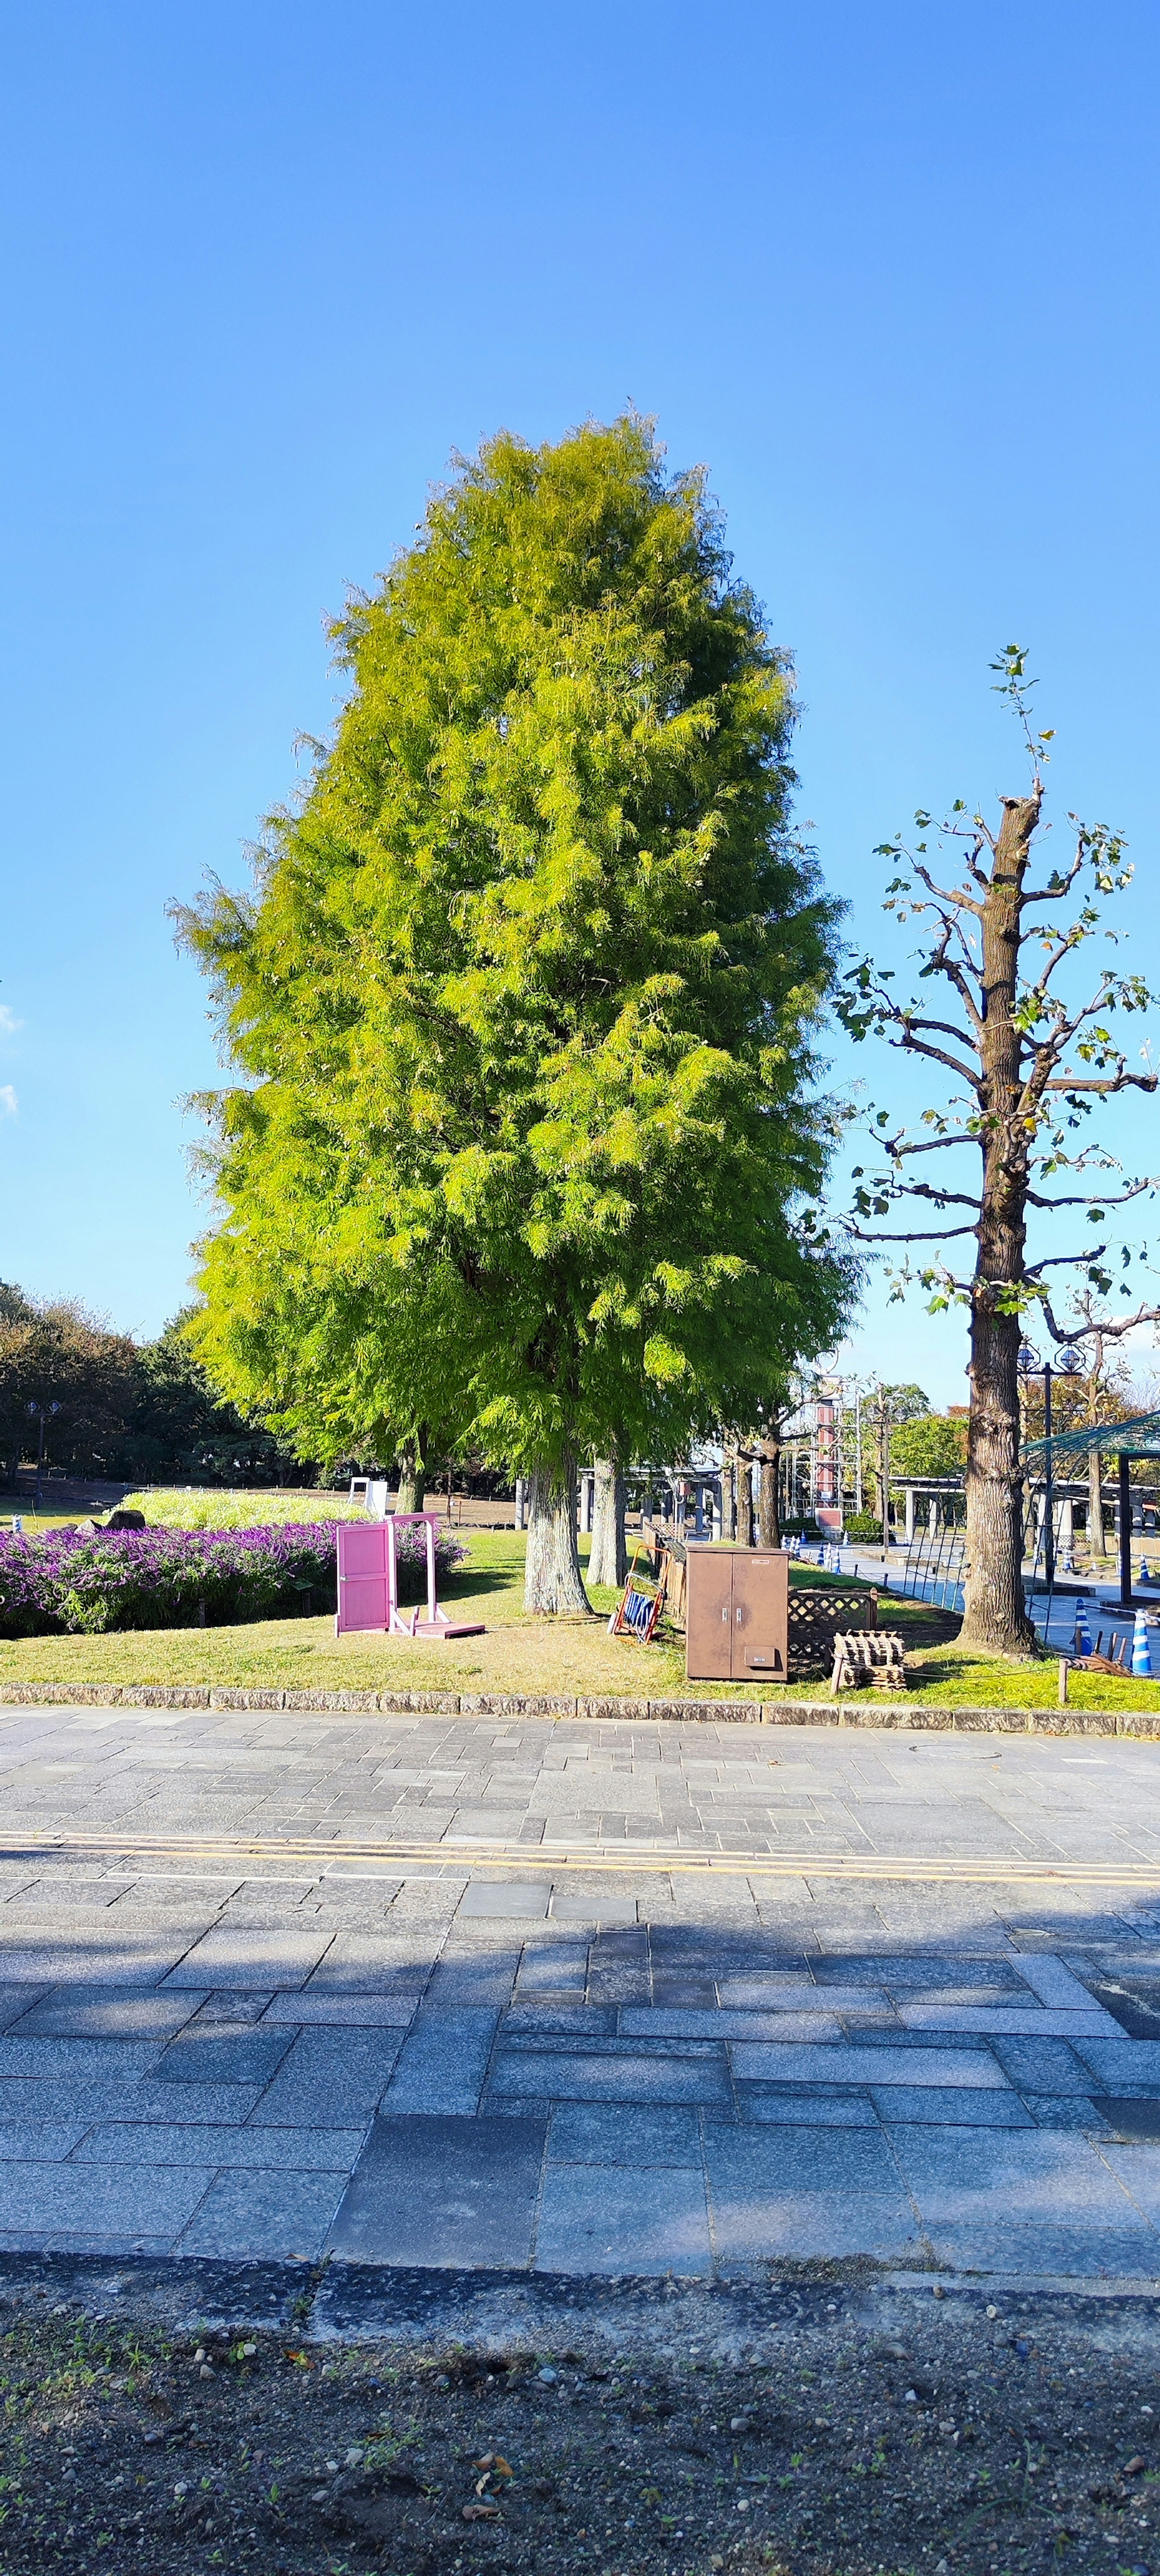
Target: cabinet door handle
725, 1613
739, 1618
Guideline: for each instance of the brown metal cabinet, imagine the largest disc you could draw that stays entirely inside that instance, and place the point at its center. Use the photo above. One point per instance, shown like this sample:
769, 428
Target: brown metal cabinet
737, 1614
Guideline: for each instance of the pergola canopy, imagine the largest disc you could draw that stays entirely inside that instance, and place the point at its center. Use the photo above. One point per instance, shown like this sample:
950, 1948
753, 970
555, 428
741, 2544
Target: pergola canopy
1138, 1437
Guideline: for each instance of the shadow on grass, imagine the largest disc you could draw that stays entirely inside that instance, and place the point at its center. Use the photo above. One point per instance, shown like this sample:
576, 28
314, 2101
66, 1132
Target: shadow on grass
471, 1580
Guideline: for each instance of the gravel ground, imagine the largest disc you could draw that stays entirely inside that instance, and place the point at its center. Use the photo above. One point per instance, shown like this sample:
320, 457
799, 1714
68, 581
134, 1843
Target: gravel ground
831, 2427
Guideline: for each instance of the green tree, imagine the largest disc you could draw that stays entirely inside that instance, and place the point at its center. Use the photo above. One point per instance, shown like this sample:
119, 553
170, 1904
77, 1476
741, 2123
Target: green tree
181, 1428
1026, 1052
525, 1149
53, 1351
934, 1444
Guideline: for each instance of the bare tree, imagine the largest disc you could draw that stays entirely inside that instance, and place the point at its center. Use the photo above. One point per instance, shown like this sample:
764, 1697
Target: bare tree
1025, 1065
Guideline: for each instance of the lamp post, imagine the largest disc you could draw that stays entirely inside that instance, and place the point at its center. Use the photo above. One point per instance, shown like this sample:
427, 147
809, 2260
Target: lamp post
1033, 1366
41, 1413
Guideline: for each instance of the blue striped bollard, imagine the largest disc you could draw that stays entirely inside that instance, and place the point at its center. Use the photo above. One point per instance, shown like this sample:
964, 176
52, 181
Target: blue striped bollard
1141, 1650
1083, 1634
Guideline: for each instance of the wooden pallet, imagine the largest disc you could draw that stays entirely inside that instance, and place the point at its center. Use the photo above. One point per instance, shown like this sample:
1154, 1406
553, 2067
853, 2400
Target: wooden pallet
864, 1655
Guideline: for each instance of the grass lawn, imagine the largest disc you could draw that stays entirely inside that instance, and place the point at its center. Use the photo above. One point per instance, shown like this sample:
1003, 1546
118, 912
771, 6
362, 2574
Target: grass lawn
519, 1655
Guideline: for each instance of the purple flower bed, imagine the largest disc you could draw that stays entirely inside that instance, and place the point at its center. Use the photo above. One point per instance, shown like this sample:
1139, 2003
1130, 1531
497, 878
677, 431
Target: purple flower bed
80, 1582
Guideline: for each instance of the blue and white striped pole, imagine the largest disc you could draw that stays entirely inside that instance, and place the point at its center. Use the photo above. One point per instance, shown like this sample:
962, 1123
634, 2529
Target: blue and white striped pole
1141, 1650
1083, 1634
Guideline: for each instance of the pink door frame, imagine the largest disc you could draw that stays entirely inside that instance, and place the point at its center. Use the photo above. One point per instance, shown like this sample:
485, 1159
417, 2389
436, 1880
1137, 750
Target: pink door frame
368, 1576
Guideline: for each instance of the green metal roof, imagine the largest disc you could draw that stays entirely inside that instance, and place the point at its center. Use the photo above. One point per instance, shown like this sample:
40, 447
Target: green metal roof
1140, 1433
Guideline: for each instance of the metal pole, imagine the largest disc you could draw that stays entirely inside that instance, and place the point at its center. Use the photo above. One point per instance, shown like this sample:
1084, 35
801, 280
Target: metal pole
857, 1449
1124, 1462
1049, 1522
39, 1462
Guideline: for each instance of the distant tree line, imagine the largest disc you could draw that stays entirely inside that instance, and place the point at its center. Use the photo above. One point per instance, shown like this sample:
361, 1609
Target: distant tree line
128, 1411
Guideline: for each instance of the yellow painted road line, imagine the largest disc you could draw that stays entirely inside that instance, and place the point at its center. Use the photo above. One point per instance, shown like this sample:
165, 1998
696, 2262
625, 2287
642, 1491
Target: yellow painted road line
546, 1860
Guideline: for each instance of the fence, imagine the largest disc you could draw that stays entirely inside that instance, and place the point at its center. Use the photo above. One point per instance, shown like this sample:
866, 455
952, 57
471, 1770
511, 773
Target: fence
935, 1565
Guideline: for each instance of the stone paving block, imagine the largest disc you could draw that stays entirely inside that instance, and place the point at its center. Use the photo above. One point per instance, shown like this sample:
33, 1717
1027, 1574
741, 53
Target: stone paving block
112, 2012
16, 2002
1042, 2066
620, 2219
941, 2104
646, 2022
211, 2056
99, 1963
541, 2019
1119, 2064
809, 2191
349, 2069
442, 2063
599, 2133
38, 2141
523, 1899
674, 1994
97, 2099
1054, 1984
1089, 2252
1067, 2111
307, 2008
265, 2216
865, 2062
443, 2191
1037, 2177
123, 2209
121, 2142
619, 1985
776, 1992
569, 1908
552, 1967
251, 1958
994, 2022
57, 2060
809, 2108
917, 1975
467, 1985
586, 2075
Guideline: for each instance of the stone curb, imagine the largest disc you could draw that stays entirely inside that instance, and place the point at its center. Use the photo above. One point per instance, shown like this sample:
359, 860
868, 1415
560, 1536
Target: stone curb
868, 1711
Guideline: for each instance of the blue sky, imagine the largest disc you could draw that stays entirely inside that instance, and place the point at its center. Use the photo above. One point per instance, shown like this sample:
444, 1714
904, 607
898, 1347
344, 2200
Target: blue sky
891, 273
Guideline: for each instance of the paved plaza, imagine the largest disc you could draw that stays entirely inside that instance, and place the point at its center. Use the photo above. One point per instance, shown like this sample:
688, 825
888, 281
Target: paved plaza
617, 1999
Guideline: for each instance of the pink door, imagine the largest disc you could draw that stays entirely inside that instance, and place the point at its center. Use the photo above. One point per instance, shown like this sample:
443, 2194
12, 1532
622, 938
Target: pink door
363, 1591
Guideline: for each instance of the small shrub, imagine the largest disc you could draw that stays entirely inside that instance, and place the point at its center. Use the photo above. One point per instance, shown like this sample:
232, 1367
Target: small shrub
862, 1525
206, 1507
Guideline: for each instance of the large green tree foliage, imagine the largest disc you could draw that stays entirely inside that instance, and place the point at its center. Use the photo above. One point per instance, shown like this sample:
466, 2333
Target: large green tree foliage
524, 1149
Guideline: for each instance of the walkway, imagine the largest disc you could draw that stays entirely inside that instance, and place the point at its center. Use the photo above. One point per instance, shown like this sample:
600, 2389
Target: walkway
616, 2000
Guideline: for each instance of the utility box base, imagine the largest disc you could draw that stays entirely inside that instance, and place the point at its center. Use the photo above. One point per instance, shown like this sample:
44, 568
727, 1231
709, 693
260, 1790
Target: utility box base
737, 1614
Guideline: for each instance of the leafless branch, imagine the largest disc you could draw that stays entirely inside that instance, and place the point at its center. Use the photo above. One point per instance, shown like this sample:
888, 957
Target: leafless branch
942, 1234
941, 893
1110, 1328
1122, 1082
938, 1055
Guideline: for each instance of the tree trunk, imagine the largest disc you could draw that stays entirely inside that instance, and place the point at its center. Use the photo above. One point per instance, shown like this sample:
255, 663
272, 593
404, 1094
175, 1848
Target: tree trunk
729, 1500
996, 1620
767, 1494
1097, 1543
744, 1504
608, 1561
553, 1582
412, 1494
